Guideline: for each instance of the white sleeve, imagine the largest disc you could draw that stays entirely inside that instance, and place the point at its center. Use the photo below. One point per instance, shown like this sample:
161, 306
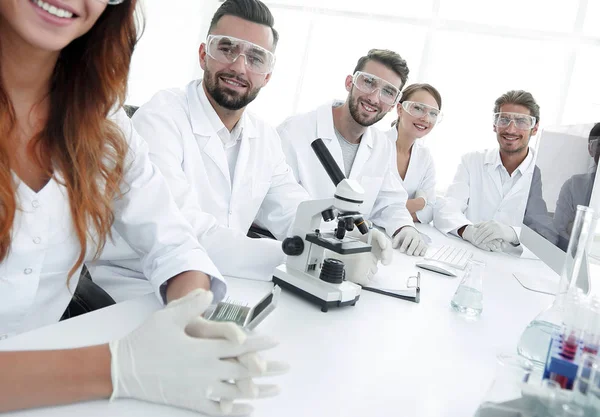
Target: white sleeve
278, 209
425, 215
148, 220
224, 245
389, 210
291, 157
449, 214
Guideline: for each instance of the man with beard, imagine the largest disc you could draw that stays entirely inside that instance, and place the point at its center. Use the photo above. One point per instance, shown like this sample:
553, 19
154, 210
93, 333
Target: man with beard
225, 167
361, 151
487, 199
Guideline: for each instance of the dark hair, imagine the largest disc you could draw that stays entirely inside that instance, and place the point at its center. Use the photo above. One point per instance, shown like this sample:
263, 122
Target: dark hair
413, 88
252, 10
388, 58
595, 132
519, 97
78, 140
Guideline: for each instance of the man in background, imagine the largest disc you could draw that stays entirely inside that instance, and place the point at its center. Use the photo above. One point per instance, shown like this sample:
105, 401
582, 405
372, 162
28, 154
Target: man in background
487, 198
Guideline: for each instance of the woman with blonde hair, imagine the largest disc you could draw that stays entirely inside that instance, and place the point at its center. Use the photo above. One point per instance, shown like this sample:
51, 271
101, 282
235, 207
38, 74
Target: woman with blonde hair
71, 166
419, 110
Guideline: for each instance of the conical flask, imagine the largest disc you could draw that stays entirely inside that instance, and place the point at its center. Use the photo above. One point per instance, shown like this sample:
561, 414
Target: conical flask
535, 340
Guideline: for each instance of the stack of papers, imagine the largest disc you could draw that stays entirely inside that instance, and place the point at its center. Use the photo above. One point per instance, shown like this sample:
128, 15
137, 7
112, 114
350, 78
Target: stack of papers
407, 288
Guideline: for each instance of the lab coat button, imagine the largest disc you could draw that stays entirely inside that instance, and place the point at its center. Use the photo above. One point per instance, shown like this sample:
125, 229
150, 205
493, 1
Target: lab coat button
27, 271
37, 240
35, 203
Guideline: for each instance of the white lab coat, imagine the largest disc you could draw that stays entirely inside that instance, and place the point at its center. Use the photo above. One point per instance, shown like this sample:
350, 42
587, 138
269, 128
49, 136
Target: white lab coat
374, 166
476, 193
189, 153
420, 175
44, 247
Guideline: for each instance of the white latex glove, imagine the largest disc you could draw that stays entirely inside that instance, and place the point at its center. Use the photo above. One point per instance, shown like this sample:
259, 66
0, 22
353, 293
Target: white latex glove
380, 243
178, 358
360, 267
410, 241
494, 245
421, 194
493, 230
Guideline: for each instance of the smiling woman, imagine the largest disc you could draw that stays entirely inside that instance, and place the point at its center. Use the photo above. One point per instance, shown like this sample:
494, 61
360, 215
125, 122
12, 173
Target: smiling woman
419, 110
72, 166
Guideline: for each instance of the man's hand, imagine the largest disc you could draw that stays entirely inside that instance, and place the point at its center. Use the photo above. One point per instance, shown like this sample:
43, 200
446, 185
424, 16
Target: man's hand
410, 241
469, 233
493, 230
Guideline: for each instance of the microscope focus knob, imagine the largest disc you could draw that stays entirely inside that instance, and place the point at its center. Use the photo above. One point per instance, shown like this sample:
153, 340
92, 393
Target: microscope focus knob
293, 246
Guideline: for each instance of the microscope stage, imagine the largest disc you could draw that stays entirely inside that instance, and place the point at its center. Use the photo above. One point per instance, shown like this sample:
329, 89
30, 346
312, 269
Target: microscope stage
347, 246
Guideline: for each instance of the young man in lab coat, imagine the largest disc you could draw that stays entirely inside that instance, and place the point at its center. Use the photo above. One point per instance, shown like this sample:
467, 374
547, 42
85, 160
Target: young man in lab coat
361, 151
487, 199
225, 167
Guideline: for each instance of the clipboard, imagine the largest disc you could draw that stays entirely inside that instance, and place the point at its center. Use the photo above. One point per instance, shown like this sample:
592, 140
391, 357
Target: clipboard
410, 292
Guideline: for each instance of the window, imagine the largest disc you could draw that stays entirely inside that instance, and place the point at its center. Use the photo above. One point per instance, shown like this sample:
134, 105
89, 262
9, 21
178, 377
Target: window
556, 16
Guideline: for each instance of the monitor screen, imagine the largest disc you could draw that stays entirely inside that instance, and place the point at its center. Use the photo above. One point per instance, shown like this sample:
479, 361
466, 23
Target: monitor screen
564, 175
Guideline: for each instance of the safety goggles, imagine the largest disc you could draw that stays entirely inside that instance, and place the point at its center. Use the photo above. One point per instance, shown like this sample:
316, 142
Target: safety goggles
521, 121
227, 49
419, 110
368, 83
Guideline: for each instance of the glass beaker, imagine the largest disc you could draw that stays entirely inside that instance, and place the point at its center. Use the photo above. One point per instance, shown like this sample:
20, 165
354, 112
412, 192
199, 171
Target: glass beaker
468, 298
535, 339
506, 392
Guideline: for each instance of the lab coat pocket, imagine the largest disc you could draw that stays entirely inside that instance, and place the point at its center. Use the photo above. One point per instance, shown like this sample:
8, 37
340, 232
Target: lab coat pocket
372, 185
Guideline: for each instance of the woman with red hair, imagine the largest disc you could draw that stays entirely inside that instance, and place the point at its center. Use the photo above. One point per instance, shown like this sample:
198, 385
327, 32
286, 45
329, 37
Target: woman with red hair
71, 166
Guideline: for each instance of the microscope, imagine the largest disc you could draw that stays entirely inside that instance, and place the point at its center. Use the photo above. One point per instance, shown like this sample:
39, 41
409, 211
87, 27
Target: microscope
306, 272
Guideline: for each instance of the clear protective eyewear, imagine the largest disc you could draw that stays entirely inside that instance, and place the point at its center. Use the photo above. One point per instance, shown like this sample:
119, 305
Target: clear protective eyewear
368, 83
416, 109
227, 49
521, 121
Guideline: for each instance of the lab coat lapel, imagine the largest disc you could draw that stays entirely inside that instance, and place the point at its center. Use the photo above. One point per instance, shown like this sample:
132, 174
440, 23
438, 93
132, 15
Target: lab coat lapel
491, 171
363, 154
525, 180
207, 139
325, 131
240, 177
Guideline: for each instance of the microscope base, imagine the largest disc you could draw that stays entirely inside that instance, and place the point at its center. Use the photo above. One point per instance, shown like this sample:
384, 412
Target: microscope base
319, 292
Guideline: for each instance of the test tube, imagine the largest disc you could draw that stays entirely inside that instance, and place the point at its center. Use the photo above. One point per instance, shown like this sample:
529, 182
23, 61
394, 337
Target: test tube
572, 326
591, 336
586, 374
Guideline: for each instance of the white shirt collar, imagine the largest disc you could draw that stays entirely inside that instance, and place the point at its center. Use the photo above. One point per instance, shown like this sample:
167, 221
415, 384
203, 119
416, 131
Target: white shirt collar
228, 138
493, 158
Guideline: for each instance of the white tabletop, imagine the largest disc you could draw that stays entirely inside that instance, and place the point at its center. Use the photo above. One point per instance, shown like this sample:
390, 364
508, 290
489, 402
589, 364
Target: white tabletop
382, 357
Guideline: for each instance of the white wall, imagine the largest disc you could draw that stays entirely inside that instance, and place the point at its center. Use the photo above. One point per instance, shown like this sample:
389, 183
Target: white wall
167, 54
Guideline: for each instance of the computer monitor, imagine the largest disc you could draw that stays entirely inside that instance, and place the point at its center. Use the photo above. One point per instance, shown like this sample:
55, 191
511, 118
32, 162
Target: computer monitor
564, 177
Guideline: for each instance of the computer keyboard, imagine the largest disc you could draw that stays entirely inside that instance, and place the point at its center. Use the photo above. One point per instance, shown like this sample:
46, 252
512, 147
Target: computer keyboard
449, 255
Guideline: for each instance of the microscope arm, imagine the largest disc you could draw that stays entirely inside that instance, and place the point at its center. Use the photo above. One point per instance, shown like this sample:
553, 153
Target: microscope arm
308, 216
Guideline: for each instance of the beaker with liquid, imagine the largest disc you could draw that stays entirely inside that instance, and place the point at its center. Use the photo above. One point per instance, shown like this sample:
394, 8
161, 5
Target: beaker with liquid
468, 298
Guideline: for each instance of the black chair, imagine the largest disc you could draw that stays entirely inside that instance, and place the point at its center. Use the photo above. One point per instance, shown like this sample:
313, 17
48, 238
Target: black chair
87, 297
256, 232
130, 110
